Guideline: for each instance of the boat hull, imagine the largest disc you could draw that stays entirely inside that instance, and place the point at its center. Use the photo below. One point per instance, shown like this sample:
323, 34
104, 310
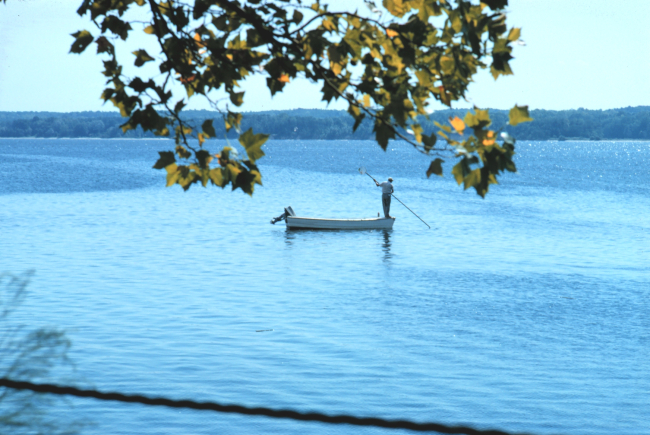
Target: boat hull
294, 222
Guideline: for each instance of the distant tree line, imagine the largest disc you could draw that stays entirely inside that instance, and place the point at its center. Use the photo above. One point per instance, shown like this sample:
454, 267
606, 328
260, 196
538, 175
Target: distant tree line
625, 123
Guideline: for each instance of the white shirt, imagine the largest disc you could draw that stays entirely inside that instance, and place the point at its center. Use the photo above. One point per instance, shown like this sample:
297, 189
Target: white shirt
386, 187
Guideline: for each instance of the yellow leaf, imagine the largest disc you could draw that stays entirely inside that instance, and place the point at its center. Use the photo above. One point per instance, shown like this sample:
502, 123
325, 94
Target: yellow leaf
490, 139
216, 176
473, 179
149, 30
417, 132
253, 144
186, 181
336, 68
396, 7
444, 97
172, 174
366, 100
231, 171
444, 127
519, 114
391, 33
448, 65
328, 24
284, 78
182, 152
515, 34
197, 38
458, 124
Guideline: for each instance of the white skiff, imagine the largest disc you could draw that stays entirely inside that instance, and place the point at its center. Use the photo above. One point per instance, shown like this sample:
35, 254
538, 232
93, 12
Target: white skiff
296, 222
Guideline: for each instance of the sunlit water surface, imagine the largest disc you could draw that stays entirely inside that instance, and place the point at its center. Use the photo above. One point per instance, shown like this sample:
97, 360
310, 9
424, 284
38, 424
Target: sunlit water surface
525, 311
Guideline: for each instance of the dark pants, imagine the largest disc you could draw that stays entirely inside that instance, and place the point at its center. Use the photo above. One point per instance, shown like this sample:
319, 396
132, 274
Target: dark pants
385, 201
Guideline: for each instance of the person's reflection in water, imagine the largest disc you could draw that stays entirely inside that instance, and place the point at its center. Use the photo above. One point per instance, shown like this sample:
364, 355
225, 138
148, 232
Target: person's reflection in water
289, 237
386, 246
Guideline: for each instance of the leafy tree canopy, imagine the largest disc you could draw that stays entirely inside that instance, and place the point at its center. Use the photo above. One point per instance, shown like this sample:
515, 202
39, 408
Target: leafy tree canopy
389, 63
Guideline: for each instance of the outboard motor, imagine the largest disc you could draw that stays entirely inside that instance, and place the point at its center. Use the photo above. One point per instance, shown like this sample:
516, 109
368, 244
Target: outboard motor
288, 211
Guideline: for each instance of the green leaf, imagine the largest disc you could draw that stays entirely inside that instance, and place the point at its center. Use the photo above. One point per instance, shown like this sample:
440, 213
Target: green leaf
519, 114
460, 170
274, 85
208, 129
233, 119
148, 119
166, 159
200, 7
104, 46
107, 94
139, 86
83, 38
253, 144
141, 57
204, 158
237, 98
357, 121
116, 26
245, 181
253, 38
495, 4
182, 152
179, 105
435, 167
383, 133
429, 142
187, 177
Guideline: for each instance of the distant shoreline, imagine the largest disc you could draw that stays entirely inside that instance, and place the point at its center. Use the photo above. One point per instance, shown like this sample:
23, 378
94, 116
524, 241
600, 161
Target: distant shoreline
272, 139
625, 124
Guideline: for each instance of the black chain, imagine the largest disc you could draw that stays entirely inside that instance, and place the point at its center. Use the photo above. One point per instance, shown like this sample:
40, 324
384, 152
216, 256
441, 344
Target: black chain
238, 409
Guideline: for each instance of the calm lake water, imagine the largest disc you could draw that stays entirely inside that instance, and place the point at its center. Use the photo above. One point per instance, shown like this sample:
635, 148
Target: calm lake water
527, 311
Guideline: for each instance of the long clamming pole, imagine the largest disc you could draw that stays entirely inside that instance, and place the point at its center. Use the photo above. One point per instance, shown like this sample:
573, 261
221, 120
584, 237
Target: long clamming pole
363, 171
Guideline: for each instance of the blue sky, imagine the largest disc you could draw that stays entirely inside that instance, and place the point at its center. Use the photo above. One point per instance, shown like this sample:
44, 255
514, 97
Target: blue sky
592, 54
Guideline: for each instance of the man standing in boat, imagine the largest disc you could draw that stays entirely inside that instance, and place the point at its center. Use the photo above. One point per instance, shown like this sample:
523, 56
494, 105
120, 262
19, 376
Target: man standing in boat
386, 192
